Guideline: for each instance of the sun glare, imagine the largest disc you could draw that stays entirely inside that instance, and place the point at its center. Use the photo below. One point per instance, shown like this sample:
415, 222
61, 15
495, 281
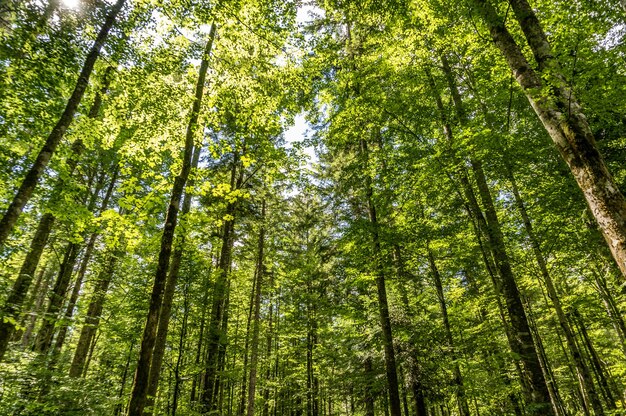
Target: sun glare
71, 4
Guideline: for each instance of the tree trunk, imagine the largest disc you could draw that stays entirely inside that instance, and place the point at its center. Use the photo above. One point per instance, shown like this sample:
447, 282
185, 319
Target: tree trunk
181, 352
584, 377
43, 342
205, 299
244, 382
69, 311
35, 304
220, 292
142, 373
32, 177
383, 307
521, 341
256, 324
92, 319
120, 395
168, 299
368, 397
522, 344
563, 118
595, 362
458, 379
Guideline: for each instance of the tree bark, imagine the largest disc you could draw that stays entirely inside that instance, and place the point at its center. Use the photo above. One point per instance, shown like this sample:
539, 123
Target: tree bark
383, 306
71, 305
456, 371
562, 116
142, 373
43, 342
92, 319
220, 293
256, 324
31, 179
584, 376
168, 299
520, 340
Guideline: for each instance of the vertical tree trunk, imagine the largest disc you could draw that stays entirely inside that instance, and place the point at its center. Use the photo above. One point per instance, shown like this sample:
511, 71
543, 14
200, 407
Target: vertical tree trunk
244, 382
43, 342
205, 299
71, 305
168, 299
140, 384
563, 118
181, 353
32, 177
35, 301
584, 377
92, 319
256, 324
220, 291
13, 306
522, 345
456, 371
521, 341
368, 397
383, 307
120, 395
268, 352
595, 362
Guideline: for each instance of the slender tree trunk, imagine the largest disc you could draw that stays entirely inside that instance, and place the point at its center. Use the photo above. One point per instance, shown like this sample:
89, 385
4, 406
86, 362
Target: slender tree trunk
546, 368
35, 304
181, 353
584, 377
268, 352
69, 311
612, 309
563, 118
92, 319
40, 239
595, 362
43, 342
522, 344
244, 382
368, 397
168, 299
205, 299
521, 341
34, 174
120, 395
142, 373
458, 379
220, 291
256, 324
383, 307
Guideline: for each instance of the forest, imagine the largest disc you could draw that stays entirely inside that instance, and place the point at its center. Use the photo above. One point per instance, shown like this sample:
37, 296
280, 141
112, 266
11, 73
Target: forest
313, 207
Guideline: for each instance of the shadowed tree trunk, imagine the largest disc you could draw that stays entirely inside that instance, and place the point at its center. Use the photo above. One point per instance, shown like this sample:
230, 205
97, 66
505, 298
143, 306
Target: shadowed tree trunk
142, 373
43, 341
71, 305
168, 299
256, 317
458, 379
92, 319
13, 305
520, 339
215, 336
31, 179
383, 306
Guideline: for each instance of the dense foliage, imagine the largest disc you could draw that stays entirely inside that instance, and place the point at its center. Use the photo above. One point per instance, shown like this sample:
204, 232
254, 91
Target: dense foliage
447, 237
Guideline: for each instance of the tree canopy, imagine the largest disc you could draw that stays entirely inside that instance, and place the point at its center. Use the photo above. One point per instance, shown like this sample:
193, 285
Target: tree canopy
290, 208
